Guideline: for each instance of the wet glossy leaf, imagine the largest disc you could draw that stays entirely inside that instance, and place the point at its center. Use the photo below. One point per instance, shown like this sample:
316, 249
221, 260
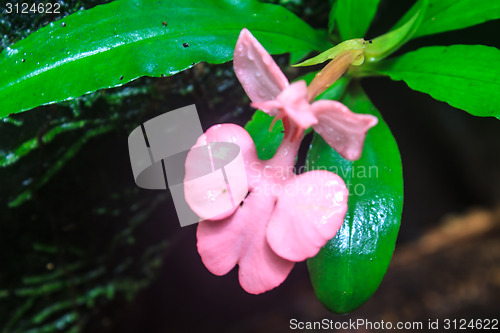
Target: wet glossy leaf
388, 43
115, 43
353, 17
446, 15
464, 76
265, 141
350, 267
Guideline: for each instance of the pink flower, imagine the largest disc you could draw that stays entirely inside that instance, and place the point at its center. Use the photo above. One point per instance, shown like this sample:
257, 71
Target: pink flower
269, 90
285, 218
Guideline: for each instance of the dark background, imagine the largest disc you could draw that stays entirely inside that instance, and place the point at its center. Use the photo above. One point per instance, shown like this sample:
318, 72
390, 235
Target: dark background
115, 259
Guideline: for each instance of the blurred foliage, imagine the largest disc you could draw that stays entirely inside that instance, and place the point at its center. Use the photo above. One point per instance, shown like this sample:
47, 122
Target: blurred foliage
74, 228
70, 224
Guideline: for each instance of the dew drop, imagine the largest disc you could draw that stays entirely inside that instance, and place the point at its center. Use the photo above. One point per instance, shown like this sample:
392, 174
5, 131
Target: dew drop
250, 55
212, 195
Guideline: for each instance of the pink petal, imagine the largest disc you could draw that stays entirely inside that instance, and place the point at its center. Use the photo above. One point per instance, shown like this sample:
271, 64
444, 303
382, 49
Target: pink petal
205, 189
259, 75
230, 133
296, 105
219, 245
241, 239
309, 212
291, 102
271, 107
342, 129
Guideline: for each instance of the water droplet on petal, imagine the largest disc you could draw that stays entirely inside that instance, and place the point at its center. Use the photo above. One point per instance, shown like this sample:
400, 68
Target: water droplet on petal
212, 195
250, 55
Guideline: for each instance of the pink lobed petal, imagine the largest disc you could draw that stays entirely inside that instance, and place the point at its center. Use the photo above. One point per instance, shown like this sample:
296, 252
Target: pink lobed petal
241, 239
208, 195
309, 212
219, 244
342, 129
271, 107
256, 70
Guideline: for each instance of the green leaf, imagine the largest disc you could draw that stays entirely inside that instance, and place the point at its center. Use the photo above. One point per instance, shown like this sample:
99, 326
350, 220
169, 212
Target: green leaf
266, 142
297, 56
335, 91
388, 43
353, 45
464, 76
331, 16
115, 43
446, 15
350, 267
353, 17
